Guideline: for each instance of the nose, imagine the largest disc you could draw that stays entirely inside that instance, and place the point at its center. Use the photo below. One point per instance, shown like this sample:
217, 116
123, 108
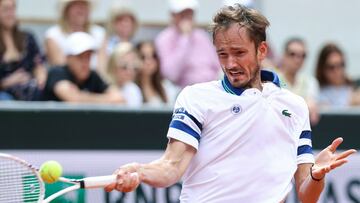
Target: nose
230, 62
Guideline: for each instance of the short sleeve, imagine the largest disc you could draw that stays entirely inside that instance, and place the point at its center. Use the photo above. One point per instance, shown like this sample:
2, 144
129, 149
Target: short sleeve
55, 75
304, 151
98, 84
187, 119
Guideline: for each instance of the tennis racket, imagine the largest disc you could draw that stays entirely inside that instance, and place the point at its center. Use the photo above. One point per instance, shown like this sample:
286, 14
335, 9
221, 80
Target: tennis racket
20, 182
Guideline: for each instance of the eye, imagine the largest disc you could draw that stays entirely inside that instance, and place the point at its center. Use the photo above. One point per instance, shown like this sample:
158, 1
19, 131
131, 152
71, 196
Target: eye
222, 54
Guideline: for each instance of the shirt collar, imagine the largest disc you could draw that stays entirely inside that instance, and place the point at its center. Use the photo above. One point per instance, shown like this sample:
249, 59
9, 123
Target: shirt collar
266, 76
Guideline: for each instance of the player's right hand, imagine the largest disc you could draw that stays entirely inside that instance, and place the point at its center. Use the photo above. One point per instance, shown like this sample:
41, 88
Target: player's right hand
127, 178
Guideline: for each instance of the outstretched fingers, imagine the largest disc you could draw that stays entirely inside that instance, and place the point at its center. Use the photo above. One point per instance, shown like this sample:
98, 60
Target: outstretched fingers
335, 144
345, 154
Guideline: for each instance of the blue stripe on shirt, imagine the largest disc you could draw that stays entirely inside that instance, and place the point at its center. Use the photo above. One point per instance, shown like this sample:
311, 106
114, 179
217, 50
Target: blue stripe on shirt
304, 149
194, 120
185, 128
306, 134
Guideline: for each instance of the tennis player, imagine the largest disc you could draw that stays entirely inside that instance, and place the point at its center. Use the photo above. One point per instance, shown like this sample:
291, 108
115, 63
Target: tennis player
240, 139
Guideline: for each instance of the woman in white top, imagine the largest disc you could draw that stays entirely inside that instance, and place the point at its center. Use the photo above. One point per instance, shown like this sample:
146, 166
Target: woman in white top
155, 90
337, 89
121, 71
74, 17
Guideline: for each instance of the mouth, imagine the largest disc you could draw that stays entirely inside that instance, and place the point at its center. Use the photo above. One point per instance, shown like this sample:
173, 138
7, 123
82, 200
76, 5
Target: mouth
236, 73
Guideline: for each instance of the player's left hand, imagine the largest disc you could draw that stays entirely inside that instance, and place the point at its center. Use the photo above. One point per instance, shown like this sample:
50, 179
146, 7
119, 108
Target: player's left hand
328, 160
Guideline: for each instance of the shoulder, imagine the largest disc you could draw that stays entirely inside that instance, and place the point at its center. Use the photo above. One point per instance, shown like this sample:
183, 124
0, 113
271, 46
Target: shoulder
200, 92
166, 33
59, 72
53, 31
295, 102
97, 30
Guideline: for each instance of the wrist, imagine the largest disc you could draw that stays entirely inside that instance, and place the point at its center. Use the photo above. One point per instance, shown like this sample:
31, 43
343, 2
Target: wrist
314, 178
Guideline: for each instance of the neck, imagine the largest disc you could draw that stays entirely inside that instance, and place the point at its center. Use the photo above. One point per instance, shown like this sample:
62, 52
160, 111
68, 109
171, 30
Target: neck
76, 28
290, 76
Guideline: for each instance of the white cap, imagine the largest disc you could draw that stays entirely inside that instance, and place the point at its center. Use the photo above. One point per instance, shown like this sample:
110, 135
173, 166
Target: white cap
177, 6
78, 43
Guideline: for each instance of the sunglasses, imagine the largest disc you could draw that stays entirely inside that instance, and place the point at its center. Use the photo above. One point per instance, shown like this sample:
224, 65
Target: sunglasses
294, 54
335, 66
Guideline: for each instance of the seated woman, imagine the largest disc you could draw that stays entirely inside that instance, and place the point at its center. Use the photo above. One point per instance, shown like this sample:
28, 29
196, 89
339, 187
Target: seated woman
121, 72
155, 90
336, 89
74, 17
22, 73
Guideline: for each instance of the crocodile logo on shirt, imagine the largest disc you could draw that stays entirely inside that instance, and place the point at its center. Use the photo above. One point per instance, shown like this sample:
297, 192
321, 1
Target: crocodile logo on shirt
286, 113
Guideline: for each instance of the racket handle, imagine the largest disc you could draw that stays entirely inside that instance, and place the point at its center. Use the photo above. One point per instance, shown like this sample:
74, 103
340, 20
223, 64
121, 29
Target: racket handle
100, 181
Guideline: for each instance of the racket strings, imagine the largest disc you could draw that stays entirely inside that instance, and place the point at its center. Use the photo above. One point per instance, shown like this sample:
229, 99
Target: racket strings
18, 182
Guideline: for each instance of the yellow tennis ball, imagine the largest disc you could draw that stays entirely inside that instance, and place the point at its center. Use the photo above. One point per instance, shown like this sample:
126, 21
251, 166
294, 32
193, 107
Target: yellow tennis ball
50, 171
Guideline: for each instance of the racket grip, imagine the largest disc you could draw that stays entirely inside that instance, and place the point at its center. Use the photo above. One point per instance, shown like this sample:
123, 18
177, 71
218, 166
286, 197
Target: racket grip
100, 181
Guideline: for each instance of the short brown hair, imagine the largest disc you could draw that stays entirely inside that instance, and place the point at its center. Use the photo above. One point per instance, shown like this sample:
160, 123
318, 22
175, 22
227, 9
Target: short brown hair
254, 22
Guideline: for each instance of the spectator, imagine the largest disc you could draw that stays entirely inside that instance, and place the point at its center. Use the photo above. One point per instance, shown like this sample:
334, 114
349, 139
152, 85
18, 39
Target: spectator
337, 89
121, 26
296, 81
187, 55
75, 82
121, 72
22, 73
155, 90
74, 17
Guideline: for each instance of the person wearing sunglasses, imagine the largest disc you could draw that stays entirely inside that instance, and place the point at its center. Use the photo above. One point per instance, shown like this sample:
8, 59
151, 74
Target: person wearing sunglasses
337, 89
295, 80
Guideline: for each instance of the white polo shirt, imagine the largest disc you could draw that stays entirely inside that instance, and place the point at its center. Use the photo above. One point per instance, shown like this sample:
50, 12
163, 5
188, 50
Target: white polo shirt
248, 142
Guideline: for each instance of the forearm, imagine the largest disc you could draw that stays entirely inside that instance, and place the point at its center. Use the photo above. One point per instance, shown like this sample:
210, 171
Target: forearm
310, 190
160, 173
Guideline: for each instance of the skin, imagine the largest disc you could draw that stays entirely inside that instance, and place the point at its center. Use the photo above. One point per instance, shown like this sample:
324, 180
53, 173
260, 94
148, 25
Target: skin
335, 76
293, 64
124, 26
184, 21
240, 60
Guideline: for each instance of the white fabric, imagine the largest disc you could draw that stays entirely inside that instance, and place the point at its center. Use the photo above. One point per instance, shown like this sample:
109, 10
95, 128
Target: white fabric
60, 38
79, 42
249, 156
132, 94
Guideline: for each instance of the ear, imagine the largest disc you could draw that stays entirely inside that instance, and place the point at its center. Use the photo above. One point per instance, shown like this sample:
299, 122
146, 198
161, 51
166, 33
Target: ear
262, 51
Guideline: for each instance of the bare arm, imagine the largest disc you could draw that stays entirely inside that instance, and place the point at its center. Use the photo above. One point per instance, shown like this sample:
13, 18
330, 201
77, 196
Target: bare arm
54, 53
69, 92
309, 188
160, 173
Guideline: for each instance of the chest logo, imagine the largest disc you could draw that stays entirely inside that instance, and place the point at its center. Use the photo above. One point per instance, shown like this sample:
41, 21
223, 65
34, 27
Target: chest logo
286, 113
236, 109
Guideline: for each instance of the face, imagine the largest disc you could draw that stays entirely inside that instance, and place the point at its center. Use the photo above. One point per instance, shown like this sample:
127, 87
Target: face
125, 70
7, 13
335, 69
150, 63
294, 57
124, 26
239, 58
80, 65
78, 13
185, 15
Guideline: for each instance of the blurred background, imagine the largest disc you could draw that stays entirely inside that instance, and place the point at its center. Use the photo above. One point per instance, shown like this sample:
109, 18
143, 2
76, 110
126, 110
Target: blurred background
124, 63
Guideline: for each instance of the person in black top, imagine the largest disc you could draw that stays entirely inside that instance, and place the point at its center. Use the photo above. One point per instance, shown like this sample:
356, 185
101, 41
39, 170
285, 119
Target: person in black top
22, 73
76, 82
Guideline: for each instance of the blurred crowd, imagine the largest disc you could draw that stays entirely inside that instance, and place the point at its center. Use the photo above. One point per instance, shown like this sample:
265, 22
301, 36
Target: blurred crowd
84, 62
